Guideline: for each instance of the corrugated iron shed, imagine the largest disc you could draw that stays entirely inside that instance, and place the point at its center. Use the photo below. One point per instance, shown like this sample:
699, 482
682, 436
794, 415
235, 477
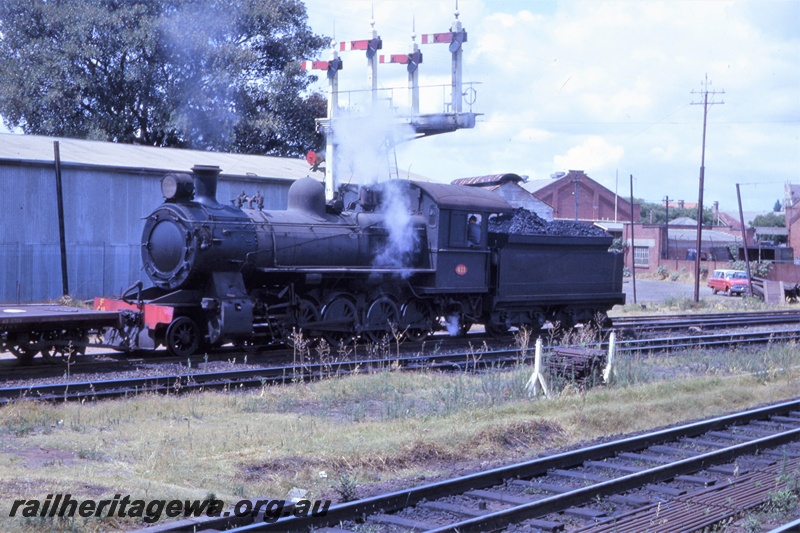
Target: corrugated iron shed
38, 149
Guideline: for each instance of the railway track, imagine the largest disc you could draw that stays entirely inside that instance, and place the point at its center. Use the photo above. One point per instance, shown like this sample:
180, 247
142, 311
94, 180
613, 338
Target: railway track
684, 478
645, 325
653, 323
76, 389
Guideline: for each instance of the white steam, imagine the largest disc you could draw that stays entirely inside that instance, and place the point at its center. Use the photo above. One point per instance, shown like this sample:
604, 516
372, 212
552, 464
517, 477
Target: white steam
398, 251
453, 326
365, 144
365, 156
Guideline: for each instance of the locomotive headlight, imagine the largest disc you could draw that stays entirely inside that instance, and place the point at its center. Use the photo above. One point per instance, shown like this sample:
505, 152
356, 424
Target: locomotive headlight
177, 187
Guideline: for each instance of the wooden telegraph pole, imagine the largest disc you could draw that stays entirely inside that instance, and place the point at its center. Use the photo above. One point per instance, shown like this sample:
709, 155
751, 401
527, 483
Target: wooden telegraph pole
705, 103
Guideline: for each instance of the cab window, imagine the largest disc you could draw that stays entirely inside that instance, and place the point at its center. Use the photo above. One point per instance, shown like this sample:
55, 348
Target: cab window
458, 229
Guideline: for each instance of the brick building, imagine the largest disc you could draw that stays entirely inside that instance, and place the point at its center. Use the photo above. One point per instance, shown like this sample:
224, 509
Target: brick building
576, 195
792, 206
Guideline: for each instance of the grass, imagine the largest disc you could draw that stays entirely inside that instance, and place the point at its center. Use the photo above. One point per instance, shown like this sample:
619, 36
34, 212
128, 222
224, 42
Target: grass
681, 304
344, 438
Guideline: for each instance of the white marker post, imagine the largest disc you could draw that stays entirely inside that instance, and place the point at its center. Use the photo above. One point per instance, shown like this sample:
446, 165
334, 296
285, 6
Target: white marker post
537, 378
607, 373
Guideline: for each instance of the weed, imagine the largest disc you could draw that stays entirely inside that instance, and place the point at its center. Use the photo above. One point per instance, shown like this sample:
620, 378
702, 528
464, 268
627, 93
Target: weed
346, 487
782, 501
752, 523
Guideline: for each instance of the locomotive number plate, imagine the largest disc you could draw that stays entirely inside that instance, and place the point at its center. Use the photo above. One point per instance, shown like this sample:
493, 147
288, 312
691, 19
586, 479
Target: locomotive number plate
461, 269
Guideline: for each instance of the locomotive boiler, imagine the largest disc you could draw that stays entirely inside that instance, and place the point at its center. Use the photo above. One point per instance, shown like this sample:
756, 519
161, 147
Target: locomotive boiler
398, 261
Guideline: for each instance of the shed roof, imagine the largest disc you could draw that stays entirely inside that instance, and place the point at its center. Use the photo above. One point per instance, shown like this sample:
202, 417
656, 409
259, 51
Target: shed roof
534, 185
773, 231
491, 180
683, 221
708, 235
35, 148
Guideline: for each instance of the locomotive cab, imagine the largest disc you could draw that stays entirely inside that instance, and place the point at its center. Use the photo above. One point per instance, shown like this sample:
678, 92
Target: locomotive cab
457, 230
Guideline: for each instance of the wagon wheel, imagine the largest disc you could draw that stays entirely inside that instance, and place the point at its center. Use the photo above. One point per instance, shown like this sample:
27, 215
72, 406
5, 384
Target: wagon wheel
63, 353
416, 319
381, 316
339, 315
600, 320
495, 330
246, 344
307, 313
183, 337
22, 346
464, 326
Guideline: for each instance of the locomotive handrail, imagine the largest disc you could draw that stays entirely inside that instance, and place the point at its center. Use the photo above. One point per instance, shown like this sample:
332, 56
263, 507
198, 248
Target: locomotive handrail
138, 287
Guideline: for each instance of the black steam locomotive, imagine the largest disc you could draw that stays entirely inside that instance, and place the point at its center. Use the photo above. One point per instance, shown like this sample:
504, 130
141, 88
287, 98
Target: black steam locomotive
402, 258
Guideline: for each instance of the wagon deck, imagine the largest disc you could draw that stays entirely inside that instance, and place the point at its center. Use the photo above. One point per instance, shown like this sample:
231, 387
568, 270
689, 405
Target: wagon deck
47, 316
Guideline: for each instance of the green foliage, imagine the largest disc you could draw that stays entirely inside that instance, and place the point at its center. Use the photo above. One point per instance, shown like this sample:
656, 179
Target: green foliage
186, 73
777, 207
770, 220
758, 269
659, 213
782, 501
347, 487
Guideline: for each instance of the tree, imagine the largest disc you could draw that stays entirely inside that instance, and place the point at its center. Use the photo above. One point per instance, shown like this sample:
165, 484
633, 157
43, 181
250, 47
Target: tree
201, 74
777, 207
659, 213
771, 220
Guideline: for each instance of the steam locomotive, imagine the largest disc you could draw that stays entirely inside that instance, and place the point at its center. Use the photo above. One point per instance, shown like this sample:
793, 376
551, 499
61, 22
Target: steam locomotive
398, 260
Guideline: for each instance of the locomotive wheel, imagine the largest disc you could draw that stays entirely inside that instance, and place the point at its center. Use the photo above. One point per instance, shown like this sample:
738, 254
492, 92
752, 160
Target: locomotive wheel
381, 316
183, 337
307, 313
416, 319
339, 315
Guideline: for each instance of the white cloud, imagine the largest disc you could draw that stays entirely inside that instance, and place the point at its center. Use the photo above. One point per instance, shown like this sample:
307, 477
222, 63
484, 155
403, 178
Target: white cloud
593, 154
603, 86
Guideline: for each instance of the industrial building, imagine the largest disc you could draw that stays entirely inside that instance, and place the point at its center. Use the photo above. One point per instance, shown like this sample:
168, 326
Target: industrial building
106, 190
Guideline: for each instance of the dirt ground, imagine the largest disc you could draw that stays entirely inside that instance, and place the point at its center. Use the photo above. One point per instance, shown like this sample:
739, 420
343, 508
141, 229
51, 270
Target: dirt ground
648, 290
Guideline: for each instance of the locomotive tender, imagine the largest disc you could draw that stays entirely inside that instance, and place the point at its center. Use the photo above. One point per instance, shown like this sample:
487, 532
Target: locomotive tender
398, 261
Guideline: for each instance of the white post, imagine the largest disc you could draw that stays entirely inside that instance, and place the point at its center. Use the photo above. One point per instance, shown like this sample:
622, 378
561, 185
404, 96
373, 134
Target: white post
612, 341
537, 378
331, 171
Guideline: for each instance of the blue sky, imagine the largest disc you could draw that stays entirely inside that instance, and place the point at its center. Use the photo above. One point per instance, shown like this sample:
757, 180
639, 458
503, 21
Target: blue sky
600, 86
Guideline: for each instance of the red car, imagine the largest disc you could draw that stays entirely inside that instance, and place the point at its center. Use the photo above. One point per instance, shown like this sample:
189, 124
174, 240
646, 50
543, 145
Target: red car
728, 281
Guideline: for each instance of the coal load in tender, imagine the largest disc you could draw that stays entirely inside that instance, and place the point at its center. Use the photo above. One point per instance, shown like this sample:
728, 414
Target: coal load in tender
524, 222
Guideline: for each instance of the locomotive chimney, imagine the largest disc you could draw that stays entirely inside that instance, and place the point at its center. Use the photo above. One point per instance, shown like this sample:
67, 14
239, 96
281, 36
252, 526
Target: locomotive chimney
205, 184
